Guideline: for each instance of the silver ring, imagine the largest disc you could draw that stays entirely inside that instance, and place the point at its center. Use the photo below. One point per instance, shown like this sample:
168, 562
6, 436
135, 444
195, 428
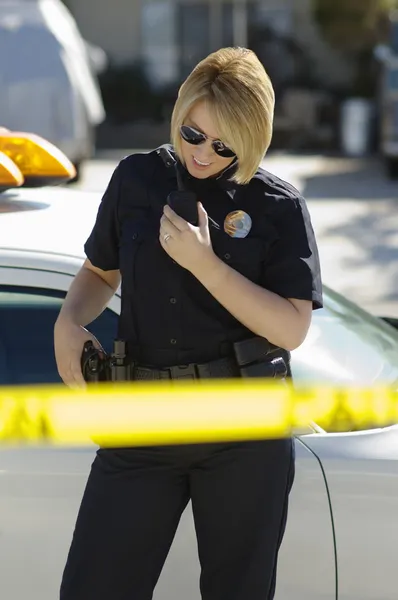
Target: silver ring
166, 237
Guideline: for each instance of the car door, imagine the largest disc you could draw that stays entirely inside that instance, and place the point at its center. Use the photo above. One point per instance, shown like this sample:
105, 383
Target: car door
40, 489
306, 569
362, 472
347, 346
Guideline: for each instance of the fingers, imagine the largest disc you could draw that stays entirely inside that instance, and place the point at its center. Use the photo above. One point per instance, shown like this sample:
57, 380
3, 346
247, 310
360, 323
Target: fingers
163, 232
203, 218
68, 345
72, 375
76, 372
167, 232
162, 241
167, 226
97, 343
179, 223
76, 368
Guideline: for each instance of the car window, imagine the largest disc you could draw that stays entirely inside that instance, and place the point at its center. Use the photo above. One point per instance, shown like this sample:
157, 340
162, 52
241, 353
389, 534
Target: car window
347, 345
27, 318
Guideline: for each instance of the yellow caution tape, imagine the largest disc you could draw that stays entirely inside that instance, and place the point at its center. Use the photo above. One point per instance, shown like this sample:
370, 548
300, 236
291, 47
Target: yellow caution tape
185, 412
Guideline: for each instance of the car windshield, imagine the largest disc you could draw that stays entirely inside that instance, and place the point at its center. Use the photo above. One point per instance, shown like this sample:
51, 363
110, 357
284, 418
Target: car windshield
346, 345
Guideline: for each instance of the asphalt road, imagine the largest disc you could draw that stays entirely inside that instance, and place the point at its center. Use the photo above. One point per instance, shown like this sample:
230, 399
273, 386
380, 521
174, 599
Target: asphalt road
354, 212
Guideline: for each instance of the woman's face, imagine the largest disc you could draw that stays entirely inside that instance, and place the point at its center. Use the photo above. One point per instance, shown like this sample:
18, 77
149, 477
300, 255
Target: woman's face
201, 160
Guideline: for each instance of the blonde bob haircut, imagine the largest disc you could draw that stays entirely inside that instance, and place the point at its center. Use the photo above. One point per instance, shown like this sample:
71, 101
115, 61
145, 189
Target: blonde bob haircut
240, 96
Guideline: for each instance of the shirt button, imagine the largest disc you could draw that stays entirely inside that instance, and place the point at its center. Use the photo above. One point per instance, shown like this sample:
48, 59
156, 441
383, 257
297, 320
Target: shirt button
173, 300
173, 341
227, 256
135, 236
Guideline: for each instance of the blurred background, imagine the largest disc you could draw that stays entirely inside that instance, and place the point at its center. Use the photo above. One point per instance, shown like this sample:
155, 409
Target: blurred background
99, 80
333, 63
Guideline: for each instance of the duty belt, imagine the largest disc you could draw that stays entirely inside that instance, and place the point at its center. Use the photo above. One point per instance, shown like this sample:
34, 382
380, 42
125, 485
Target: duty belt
216, 369
252, 358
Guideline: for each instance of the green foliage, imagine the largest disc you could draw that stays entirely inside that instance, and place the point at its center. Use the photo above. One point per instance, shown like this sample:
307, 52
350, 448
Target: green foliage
352, 24
355, 27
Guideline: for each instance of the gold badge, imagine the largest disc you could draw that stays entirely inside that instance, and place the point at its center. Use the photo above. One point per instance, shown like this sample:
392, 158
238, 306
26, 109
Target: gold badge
237, 224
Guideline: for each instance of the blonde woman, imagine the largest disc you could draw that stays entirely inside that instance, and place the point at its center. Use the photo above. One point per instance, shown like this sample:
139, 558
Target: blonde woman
245, 268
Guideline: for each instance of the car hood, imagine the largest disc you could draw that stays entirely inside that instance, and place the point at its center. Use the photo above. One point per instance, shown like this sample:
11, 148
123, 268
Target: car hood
50, 220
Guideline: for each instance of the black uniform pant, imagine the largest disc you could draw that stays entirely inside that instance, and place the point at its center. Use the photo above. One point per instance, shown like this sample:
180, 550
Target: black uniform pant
133, 502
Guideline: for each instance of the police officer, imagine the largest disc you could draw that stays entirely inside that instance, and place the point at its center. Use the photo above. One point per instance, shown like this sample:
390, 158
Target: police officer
249, 267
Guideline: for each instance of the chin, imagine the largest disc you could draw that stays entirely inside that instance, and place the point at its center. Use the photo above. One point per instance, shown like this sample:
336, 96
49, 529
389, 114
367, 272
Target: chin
198, 173
201, 175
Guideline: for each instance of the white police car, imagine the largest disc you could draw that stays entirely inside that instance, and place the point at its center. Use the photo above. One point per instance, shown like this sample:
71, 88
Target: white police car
42, 232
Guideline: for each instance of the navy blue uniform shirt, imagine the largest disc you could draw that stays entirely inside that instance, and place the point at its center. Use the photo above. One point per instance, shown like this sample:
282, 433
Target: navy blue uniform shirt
167, 316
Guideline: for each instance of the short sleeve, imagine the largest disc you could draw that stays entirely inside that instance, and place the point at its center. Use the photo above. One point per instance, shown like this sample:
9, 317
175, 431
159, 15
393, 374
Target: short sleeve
102, 246
292, 267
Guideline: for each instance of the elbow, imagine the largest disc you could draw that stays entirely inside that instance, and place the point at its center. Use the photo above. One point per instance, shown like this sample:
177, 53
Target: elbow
294, 338
290, 328
290, 338
292, 344
295, 334
286, 341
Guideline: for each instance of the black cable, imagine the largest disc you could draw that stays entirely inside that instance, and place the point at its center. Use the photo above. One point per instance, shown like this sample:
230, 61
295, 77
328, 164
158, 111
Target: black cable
336, 570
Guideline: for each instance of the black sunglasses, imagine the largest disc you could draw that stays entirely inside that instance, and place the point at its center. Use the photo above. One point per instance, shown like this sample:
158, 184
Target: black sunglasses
195, 137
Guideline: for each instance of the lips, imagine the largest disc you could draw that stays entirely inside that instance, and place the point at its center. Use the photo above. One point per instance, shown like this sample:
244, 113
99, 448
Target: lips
200, 164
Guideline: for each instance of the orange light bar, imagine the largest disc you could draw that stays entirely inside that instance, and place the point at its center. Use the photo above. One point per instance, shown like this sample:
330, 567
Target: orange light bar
10, 174
40, 162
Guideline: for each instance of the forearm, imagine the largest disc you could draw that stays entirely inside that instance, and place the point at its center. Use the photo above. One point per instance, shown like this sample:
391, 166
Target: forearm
86, 299
263, 312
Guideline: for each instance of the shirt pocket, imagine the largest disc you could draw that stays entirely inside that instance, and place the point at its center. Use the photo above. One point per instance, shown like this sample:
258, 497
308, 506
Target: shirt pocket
138, 238
245, 255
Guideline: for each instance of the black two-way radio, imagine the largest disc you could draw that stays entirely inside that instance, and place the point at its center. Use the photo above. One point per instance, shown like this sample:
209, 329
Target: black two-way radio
183, 202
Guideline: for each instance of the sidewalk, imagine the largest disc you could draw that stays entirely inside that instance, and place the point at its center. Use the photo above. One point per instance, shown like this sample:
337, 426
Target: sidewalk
353, 206
354, 209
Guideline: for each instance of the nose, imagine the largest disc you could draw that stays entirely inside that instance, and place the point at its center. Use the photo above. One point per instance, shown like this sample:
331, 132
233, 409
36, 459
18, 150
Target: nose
205, 151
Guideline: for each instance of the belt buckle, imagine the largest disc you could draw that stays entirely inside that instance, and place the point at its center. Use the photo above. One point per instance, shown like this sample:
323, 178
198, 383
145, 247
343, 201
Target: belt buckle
183, 371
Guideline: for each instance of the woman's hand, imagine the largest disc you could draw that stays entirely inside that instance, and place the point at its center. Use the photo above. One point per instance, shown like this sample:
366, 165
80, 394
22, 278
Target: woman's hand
69, 340
188, 245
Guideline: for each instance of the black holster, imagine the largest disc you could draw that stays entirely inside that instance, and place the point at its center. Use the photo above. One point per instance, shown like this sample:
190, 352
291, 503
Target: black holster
256, 357
98, 366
